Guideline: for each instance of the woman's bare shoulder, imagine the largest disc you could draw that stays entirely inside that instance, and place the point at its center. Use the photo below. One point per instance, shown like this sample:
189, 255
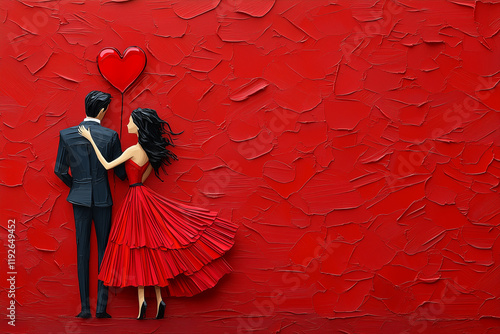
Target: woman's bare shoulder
137, 154
133, 148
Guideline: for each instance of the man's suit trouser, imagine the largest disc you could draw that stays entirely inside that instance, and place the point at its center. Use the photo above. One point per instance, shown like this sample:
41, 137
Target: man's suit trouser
83, 221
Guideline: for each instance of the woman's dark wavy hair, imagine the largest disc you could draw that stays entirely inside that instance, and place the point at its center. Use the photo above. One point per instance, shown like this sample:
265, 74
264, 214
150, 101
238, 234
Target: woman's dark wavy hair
154, 138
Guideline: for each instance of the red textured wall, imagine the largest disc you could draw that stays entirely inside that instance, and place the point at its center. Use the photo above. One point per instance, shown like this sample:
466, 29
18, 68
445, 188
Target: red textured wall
354, 142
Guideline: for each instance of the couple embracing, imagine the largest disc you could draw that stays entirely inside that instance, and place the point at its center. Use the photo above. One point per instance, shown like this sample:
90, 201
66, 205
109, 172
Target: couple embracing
153, 240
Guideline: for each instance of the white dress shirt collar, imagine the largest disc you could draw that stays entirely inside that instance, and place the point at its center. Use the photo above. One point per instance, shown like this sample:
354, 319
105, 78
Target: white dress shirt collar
92, 119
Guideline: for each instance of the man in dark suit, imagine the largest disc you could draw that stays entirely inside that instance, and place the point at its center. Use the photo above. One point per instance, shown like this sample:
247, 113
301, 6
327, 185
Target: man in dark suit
89, 190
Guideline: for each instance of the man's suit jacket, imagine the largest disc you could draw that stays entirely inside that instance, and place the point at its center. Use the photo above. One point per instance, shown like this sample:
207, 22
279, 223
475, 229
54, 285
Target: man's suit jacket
88, 180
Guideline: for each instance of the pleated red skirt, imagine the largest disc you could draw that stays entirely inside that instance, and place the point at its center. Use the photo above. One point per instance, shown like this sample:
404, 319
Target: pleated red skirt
155, 241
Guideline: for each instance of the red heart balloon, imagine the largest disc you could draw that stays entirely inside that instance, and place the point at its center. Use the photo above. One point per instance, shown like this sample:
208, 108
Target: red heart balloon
121, 71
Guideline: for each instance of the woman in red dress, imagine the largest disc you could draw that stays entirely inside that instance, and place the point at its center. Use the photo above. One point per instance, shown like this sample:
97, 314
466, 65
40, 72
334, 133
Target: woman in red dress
155, 241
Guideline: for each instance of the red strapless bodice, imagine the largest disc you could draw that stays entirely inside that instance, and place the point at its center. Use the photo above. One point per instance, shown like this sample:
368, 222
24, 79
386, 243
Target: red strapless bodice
134, 171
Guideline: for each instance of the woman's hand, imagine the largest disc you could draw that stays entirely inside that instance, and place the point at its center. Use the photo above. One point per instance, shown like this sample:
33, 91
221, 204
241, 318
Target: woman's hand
84, 132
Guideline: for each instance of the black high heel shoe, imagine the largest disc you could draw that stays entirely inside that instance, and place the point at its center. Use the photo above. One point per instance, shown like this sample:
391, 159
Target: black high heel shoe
143, 311
161, 310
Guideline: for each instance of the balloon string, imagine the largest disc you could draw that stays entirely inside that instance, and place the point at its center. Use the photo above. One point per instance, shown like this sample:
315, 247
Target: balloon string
121, 119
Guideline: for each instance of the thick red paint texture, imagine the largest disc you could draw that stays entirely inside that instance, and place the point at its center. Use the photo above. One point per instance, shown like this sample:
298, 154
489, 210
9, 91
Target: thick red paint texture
356, 143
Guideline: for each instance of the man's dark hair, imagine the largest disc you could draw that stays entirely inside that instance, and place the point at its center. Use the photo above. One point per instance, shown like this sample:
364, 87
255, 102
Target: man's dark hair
95, 101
